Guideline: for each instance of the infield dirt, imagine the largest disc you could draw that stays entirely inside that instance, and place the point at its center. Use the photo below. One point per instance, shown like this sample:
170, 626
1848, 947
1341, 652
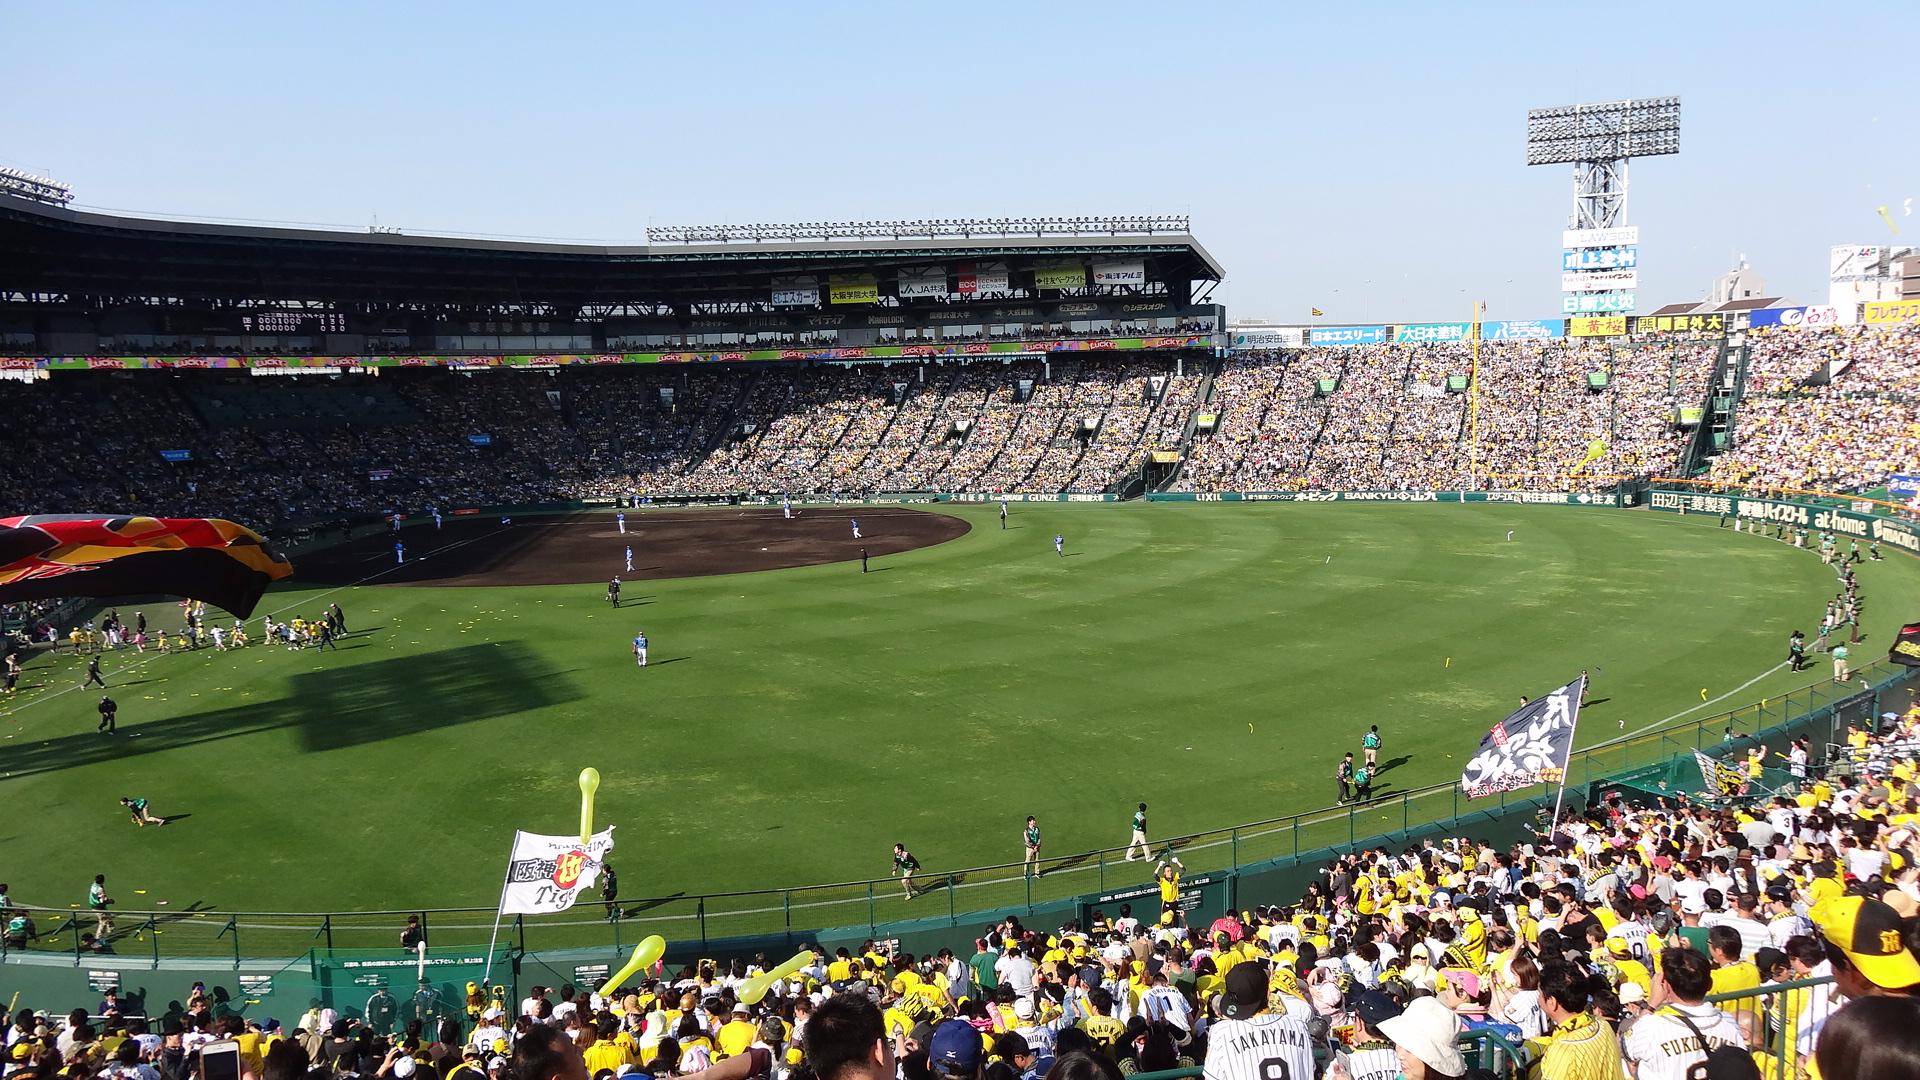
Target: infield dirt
585, 548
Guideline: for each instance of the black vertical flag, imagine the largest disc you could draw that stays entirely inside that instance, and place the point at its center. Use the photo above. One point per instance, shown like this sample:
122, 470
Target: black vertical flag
1906, 647
1530, 746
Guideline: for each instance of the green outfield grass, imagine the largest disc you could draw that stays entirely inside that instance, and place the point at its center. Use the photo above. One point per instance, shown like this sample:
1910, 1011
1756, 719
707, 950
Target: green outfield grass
1213, 660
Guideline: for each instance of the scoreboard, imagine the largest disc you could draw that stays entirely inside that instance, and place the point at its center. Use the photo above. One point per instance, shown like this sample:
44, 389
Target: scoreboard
294, 322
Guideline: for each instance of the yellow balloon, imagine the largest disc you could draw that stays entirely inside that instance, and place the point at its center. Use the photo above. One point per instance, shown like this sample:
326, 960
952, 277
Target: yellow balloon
589, 784
645, 955
756, 988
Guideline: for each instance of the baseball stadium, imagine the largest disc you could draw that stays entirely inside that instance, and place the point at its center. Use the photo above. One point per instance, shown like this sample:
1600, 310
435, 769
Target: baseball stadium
878, 582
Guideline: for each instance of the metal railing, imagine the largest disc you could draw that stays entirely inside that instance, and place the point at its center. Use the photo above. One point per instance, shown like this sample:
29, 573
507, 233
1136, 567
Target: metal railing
938, 894
1780, 1019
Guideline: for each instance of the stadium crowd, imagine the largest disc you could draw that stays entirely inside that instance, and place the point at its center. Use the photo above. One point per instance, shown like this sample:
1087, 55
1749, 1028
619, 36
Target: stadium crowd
1835, 409
1830, 409
1392, 421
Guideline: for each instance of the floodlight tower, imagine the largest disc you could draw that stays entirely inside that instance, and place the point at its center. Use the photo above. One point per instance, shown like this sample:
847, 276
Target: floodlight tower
1599, 139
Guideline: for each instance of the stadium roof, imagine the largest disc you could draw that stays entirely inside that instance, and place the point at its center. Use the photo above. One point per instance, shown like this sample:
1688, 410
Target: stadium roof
55, 249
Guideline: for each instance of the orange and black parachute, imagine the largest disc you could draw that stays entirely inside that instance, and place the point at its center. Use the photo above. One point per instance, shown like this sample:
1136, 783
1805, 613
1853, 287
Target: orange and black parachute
210, 559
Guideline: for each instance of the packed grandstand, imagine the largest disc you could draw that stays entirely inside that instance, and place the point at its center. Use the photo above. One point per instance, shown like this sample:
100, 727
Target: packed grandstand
367, 445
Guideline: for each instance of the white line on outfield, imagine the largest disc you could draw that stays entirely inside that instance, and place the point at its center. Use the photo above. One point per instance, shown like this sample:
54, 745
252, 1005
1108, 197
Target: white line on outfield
138, 665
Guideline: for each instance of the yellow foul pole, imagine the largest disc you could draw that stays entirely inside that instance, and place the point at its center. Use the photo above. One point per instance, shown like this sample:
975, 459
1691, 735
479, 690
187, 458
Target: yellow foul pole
1473, 401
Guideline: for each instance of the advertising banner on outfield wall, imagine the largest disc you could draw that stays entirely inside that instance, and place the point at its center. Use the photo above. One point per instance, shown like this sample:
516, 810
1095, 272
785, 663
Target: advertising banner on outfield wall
1532, 498
981, 279
1710, 323
1889, 312
1523, 330
1432, 333
1796, 318
1847, 523
1587, 238
1597, 326
853, 289
1064, 276
1256, 338
1600, 258
1348, 335
1599, 280
923, 281
1120, 273
1597, 303
796, 292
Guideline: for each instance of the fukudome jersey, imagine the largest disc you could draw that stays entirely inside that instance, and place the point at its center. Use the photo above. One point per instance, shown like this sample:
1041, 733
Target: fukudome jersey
1269, 1046
1663, 1046
640, 641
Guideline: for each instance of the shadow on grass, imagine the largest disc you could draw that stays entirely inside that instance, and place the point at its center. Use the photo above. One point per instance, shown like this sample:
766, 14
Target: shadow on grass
1067, 863
628, 911
333, 708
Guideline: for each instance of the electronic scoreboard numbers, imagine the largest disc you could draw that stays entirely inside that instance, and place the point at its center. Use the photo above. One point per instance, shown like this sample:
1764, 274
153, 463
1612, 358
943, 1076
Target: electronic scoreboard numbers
293, 322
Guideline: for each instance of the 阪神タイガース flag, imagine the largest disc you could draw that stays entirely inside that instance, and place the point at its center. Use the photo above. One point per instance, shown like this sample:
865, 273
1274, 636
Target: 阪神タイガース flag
548, 874
53, 555
1529, 747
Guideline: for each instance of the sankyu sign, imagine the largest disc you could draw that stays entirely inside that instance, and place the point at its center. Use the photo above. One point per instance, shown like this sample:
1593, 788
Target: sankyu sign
1524, 330
1348, 335
1599, 280
1432, 333
1795, 318
1603, 258
1592, 238
1596, 303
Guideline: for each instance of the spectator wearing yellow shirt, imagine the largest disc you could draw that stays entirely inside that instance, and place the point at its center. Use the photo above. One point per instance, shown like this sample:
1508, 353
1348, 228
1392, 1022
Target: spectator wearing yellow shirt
737, 1033
1730, 973
599, 1054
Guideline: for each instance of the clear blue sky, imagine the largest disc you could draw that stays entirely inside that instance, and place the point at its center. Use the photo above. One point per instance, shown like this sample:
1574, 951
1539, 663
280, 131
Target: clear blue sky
1363, 158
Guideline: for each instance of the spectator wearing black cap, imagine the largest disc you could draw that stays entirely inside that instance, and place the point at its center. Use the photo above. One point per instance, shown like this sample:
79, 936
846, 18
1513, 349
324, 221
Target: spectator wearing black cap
1783, 924
1372, 1056
1247, 1039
